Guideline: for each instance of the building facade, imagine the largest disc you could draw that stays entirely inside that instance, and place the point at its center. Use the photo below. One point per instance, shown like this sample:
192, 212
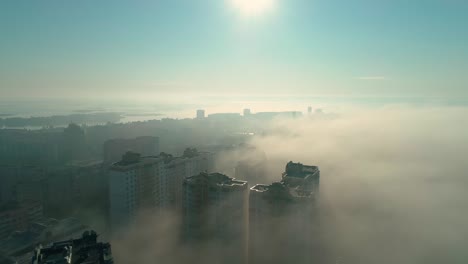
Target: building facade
151, 183
215, 210
200, 114
133, 185
283, 217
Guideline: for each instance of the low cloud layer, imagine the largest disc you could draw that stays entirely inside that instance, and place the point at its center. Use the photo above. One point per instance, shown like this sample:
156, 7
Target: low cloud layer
393, 187
394, 180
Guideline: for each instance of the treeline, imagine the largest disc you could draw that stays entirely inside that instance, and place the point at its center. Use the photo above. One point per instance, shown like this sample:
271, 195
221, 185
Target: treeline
60, 120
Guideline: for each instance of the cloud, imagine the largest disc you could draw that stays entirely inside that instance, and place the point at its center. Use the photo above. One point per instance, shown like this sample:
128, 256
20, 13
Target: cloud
392, 180
392, 190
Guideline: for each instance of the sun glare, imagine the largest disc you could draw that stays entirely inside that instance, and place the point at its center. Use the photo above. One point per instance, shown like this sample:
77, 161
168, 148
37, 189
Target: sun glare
251, 8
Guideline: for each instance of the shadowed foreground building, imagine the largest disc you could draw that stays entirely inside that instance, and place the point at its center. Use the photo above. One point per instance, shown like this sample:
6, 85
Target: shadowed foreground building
215, 212
282, 218
75, 251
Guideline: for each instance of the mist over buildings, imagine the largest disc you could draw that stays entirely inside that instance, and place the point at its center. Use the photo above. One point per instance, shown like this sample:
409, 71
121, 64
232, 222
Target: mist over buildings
392, 188
392, 185
234, 132
395, 180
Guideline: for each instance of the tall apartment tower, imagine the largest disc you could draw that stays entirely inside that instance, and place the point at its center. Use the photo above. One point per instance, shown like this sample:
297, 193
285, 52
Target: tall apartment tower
215, 210
74, 143
282, 217
200, 114
133, 186
152, 183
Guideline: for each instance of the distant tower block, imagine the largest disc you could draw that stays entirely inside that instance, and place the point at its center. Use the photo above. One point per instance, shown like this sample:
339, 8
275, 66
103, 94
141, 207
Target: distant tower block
247, 112
309, 110
200, 114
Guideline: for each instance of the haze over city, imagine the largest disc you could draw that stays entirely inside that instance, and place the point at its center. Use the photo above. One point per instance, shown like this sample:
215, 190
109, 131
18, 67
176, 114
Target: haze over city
233, 131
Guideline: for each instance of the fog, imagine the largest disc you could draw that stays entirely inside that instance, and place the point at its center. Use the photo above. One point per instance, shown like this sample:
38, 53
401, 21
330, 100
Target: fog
392, 188
393, 180
171, 128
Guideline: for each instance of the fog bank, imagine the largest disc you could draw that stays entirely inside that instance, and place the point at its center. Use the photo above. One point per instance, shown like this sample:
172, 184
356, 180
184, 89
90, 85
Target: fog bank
393, 180
392, 187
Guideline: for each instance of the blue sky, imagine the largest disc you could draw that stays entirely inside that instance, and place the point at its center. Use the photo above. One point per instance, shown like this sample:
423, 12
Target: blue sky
151, 48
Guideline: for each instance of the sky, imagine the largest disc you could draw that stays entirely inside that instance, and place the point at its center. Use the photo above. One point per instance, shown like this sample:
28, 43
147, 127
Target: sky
151, 49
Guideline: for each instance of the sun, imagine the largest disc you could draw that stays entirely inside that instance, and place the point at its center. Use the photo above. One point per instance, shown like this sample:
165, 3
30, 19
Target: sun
250, 8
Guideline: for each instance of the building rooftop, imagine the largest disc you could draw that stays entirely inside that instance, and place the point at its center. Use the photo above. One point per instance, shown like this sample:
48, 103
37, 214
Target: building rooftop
279, 191
298, 170
214, 178
39, 232
276, 191
75, 251
131, 159
260, 188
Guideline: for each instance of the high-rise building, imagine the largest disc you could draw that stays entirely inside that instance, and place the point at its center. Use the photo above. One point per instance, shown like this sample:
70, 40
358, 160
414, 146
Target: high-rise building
151, 183
247, 112
133, 185
282, 217
77, 251
302, 180
309, 110
114, 149
200, 114
191, 163
215, 210
74, 143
